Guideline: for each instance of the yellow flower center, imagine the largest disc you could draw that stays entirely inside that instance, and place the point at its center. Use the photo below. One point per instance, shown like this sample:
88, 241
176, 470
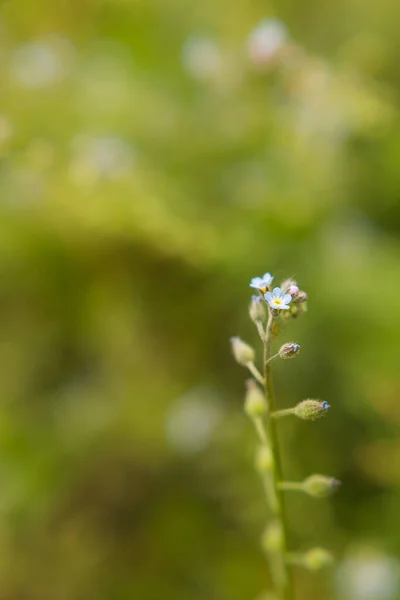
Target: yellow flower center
278, 301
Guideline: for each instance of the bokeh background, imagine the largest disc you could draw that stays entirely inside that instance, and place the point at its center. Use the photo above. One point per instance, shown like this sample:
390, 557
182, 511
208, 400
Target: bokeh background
155, 155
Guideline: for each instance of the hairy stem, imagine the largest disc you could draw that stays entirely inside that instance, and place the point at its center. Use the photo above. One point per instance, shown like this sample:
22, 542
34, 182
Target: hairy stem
291, 485
262, 434
282, 413
260, 329
285, 588
295, 558
255, 372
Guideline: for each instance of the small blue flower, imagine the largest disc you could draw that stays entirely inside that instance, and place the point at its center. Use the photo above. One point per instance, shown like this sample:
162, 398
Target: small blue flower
278, 299
262, 283
325, 405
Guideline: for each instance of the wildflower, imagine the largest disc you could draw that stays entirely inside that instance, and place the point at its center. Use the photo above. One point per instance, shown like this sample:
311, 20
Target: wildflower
262, 283
278, 299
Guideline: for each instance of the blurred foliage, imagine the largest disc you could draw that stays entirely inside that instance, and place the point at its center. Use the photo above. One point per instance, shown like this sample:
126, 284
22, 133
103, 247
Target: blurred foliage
155, 155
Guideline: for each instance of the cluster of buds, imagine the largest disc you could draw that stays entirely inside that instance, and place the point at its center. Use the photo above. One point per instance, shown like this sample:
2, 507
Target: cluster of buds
299, 298
287, 297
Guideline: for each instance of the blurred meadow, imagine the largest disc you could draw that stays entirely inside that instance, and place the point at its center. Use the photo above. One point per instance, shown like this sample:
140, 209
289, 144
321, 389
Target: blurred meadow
154, 156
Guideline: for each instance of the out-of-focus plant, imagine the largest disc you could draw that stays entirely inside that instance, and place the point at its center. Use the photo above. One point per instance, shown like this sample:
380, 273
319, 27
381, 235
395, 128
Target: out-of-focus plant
268, 310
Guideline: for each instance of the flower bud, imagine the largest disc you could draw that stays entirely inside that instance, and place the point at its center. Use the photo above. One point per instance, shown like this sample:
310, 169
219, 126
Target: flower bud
257, 309
264, 459
310, 410
242, 352
317, 558
320, 486
300, 297
272, 538
288, 350
254, 403
293, 290
285, 285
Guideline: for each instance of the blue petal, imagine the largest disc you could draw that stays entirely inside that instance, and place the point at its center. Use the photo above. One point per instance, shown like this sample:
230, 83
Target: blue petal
256, 282
268, 296
277, 292
287, 298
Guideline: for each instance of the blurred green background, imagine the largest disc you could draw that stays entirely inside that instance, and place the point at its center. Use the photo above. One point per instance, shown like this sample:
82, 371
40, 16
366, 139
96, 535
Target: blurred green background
156, 155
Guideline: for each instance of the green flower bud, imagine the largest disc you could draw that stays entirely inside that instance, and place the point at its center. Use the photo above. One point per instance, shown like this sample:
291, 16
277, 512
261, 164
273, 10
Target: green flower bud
254, 403
257, 310
264, 459
320, 486
289, 350
310, 410
242, 352
272, 538
317, 558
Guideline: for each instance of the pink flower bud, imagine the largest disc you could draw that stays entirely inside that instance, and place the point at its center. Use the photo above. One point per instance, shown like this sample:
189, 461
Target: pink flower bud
293, 290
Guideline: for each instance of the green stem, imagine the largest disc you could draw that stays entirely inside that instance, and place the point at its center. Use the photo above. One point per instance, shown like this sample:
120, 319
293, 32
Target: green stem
262, 434
255, 372
295, 558
291, 485
285, 591
273, 357
266, 479
260, 329
283, 413
270, 492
